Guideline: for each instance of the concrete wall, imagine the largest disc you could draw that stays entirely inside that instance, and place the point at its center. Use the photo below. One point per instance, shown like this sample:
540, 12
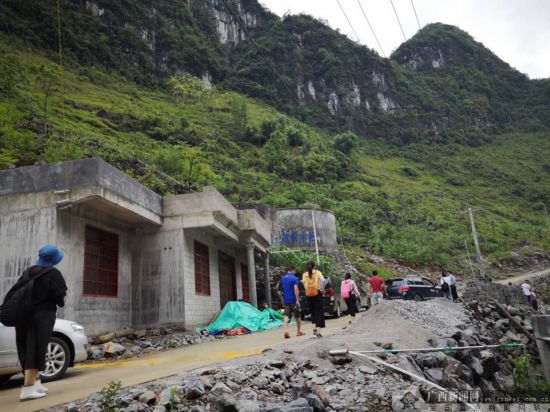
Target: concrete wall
26, 224
96, 314
158, 279
78, 173
510, 295
294, 228
209, 200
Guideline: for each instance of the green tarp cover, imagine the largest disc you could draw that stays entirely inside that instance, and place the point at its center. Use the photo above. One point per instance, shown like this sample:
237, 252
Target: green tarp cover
241, 314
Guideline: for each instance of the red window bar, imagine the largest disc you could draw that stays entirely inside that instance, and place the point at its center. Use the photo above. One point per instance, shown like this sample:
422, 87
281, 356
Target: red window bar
100, 263
202, 269
244, 280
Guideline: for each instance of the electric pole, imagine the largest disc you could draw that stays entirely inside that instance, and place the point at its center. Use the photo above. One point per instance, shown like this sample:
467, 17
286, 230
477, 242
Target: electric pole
476, 243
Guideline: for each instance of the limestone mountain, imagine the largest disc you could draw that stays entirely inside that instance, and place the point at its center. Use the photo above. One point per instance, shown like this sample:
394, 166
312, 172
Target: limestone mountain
440, 85
286, 112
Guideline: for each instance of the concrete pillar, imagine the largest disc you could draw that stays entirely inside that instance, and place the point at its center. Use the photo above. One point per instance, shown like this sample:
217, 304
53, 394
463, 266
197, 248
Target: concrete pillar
267, 280
251, 274
541, 325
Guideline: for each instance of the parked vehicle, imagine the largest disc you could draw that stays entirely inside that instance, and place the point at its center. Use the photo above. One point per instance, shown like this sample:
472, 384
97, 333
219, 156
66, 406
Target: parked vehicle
331, 301
66, 348
413, 287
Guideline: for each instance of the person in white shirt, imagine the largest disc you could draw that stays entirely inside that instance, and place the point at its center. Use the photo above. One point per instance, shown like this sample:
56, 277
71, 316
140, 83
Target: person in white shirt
446, 285
527, 291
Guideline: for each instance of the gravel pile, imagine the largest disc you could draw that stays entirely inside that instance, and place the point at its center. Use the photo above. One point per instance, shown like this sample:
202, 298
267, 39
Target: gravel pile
440, 316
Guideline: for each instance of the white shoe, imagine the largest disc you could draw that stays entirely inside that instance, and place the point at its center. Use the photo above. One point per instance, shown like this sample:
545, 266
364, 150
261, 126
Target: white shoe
28, 393
39, 387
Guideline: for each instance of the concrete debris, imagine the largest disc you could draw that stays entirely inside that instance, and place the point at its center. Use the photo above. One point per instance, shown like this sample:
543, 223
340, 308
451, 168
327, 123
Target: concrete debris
142, 342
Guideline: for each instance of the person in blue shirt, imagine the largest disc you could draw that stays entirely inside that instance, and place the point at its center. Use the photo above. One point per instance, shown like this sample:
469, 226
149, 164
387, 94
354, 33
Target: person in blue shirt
291, 300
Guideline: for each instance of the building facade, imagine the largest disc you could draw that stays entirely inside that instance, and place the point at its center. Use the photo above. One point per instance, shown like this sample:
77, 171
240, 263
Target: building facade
132, 257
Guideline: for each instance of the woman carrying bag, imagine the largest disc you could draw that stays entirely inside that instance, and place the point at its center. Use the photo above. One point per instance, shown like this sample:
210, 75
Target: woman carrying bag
35, 297
313, 281
350, 293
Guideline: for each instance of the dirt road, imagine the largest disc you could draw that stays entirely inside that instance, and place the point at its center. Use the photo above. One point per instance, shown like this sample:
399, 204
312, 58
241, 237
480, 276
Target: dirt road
520, 278
83, 380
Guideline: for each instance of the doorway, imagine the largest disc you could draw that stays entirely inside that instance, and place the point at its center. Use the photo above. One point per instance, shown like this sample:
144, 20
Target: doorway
228, 287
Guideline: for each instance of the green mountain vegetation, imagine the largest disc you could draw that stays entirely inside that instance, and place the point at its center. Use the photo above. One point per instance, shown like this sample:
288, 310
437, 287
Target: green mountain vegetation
397, 172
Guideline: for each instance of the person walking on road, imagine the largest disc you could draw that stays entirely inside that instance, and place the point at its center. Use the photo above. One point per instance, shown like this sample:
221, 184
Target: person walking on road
291, 300
313, 281
350, 293
34, 327
377, 288
526, 287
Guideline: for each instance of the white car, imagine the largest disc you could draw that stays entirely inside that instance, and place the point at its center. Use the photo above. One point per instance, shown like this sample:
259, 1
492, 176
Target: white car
67, 346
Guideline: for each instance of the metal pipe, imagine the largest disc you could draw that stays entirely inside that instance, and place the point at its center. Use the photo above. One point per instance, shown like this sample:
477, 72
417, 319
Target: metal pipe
337, 352
315, 236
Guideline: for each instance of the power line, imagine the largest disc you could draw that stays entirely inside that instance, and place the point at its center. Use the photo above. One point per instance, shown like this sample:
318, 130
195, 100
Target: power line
416, 15
349, 22
398, 21
371, 29
242, 26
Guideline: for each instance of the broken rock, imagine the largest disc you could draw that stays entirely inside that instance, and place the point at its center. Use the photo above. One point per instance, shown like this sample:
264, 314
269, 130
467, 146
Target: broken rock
112, 349
194, 390
148, 397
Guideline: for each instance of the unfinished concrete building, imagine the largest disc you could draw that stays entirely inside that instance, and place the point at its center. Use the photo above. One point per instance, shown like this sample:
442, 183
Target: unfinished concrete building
132, 257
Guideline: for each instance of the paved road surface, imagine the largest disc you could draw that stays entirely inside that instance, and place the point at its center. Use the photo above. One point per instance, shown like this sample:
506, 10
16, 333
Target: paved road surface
520, 278
83, 380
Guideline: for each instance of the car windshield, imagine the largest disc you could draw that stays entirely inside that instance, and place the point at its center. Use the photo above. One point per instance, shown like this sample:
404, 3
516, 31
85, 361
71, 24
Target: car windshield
395, 282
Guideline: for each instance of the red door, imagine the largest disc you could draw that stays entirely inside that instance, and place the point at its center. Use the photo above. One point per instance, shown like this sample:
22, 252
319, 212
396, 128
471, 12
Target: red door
228, 289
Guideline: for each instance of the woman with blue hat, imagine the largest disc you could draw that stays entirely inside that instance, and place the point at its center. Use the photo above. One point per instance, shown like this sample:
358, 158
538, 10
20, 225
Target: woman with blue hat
33, 331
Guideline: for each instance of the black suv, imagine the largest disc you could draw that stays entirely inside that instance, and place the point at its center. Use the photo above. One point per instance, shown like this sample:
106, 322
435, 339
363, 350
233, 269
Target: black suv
331, 303
413, 287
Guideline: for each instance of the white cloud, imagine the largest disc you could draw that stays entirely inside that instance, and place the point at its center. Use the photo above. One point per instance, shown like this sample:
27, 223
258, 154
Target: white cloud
518, 31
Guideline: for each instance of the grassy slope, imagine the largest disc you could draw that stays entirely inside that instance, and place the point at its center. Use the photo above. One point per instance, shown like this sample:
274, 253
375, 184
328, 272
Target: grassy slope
402, 203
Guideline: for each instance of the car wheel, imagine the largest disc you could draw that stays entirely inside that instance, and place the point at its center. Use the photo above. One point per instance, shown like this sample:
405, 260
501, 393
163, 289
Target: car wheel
418, 297
58, 357
337, 313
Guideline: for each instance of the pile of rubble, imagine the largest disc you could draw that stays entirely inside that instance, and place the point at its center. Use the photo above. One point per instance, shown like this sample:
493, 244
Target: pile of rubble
305, 377
281, 384
139, 342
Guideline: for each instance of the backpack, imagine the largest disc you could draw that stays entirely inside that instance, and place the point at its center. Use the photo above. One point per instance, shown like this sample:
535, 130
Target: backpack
346, 289
311, 288
17, 306
445, 287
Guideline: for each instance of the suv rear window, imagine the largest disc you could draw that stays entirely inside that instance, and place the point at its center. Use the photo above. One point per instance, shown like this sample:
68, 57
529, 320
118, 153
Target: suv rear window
396, 282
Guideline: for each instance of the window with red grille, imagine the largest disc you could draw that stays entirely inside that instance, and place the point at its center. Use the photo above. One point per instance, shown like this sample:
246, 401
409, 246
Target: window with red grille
100, 263
244, 280
202, 269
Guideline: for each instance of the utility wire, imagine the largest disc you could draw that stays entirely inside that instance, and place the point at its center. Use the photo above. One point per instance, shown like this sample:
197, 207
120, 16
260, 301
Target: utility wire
349, 22
398, 21
416, 15
242, 26
371, 29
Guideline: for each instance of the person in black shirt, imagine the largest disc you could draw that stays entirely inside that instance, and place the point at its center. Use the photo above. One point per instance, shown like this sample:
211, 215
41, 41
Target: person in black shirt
33, 334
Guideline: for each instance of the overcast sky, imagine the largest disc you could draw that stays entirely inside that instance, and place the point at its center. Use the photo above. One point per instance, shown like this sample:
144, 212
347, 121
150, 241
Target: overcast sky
518, 31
